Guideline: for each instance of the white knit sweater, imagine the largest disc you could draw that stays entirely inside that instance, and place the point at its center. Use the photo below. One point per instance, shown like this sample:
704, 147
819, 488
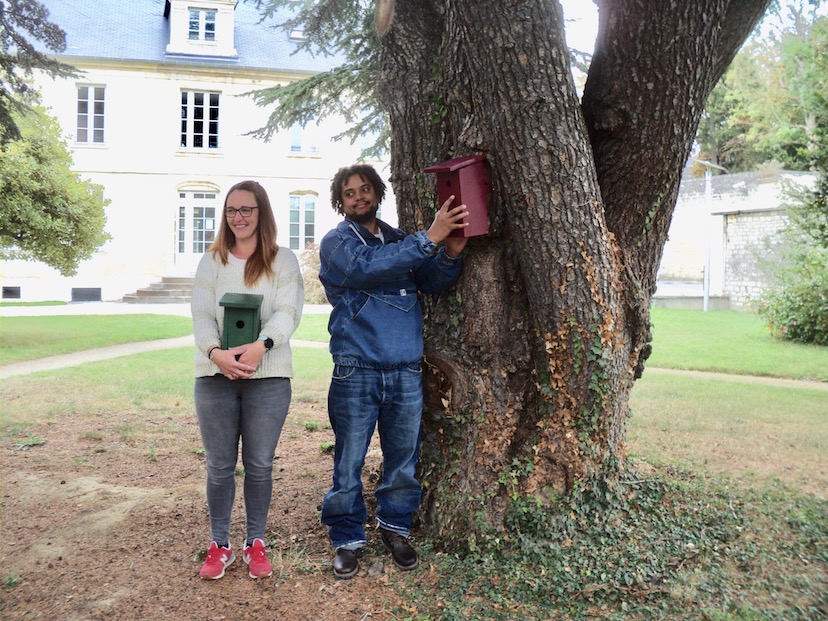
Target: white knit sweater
281, 309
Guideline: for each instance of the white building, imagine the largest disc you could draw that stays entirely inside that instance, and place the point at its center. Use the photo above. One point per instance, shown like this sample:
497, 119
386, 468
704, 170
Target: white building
160, 119
725, 230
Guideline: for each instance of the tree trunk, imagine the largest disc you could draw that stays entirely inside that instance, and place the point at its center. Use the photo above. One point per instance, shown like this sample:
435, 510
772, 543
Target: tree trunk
531, 358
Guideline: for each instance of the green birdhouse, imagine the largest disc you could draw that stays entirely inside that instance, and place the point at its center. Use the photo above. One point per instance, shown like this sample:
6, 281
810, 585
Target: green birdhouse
242, 318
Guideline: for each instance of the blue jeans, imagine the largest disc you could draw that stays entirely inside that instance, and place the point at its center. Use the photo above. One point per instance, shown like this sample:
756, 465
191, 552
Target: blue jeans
359, 400
253, 411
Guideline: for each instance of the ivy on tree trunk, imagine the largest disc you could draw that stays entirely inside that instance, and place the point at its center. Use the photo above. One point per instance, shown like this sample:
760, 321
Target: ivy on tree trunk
530, 359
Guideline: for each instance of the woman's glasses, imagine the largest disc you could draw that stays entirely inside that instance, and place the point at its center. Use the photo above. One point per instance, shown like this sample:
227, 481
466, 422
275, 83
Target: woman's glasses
245, 212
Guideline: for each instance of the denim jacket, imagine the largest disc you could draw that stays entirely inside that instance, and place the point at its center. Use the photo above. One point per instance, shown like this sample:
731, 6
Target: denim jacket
376, 321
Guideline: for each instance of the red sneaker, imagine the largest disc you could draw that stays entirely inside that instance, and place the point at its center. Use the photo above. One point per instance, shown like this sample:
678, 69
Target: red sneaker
218, 559
255, 556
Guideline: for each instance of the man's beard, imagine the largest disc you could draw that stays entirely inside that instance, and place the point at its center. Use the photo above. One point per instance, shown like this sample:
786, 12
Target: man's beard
367, 217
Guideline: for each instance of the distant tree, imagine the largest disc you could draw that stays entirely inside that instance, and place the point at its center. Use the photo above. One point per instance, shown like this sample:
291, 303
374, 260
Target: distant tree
774, 97
19, 58
47, 212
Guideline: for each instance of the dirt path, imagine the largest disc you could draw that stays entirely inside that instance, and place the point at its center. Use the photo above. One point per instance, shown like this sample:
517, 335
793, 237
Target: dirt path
94, 529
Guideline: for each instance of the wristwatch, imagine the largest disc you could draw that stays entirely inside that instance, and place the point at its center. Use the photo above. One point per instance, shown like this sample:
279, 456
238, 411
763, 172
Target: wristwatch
267, 341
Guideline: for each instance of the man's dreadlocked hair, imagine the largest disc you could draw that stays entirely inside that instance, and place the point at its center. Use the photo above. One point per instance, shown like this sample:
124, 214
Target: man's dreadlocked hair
366, 172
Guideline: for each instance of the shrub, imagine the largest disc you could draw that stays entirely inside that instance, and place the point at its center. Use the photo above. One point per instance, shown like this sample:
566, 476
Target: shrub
796, 307
309, 262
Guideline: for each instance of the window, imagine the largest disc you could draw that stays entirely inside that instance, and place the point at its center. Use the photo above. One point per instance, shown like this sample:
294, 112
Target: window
302, 221
199, 120
301, 142
202, 25
196, 221
90, 114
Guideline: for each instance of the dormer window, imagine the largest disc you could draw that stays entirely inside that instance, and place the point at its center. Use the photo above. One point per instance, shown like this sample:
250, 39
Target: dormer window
202, 25
202, 28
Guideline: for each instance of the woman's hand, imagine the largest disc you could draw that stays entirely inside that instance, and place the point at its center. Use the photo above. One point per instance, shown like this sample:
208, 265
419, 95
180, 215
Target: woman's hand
235, 363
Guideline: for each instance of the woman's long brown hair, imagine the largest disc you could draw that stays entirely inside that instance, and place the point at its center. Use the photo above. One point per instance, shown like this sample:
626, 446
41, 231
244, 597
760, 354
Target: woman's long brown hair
261, 261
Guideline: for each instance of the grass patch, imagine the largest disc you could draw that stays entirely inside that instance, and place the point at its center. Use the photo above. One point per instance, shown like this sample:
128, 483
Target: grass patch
42, 303
29, 338
312, 328
311, 374
28, 442
730, 342
723, 518
755, 433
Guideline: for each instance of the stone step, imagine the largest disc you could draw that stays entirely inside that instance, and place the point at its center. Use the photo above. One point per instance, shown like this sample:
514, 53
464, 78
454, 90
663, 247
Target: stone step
161, 292
132, 298
171, 290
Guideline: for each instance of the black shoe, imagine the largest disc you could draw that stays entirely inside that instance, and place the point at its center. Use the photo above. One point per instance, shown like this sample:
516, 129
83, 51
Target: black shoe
405, 557
345, 563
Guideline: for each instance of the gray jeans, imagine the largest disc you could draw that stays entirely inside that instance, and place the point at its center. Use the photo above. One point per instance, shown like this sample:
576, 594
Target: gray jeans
252, 411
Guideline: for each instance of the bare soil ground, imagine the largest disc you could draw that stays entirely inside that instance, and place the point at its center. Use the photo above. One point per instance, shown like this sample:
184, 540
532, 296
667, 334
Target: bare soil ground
97, 528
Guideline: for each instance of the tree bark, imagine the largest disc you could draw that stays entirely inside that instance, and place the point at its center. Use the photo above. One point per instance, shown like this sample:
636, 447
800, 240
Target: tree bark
531, 357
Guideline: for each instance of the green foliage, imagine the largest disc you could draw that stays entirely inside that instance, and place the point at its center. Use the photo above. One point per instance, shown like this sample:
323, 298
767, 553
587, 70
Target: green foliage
12, 580
30, 441
47, 213
19, 58
796, 306
658, 547
771, 103
342, 28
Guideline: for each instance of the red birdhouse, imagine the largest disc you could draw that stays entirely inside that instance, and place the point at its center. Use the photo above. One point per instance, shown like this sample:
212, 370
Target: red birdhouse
469, 179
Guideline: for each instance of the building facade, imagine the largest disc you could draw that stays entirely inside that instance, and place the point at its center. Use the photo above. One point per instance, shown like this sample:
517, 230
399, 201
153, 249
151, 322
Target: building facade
161, 117
726, 229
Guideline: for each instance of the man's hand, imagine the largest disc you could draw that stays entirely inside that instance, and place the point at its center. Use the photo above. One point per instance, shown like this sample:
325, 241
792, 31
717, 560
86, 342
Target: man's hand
455, 245
447, 220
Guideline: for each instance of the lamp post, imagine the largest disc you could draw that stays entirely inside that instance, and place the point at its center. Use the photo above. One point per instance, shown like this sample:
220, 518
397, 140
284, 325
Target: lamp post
708, 200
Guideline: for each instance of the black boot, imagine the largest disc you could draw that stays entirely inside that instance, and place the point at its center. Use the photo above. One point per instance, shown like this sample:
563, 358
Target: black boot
345, 563
405, 557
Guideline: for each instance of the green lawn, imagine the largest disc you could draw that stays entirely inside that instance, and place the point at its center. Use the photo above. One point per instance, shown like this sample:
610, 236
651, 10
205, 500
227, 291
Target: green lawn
730, 342
29, 338
718, 341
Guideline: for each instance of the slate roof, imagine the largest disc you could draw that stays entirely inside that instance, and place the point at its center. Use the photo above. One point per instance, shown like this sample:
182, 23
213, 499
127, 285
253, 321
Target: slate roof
136, 30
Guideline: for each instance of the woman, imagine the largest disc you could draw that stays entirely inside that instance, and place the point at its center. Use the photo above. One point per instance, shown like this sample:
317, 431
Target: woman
243, 392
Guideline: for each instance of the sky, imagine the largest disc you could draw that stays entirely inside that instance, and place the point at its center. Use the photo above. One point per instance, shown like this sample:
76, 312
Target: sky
581, 17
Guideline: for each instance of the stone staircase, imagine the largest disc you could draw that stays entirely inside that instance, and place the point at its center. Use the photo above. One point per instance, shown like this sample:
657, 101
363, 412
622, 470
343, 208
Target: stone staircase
171, 290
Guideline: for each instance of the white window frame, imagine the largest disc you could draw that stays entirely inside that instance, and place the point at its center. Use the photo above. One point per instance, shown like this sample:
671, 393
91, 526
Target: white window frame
205, 27
302, 142
95, 109
301, 227
190, 110
197, 220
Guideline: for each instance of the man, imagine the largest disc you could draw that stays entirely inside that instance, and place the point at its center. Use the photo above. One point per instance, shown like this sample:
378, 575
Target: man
372, 273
